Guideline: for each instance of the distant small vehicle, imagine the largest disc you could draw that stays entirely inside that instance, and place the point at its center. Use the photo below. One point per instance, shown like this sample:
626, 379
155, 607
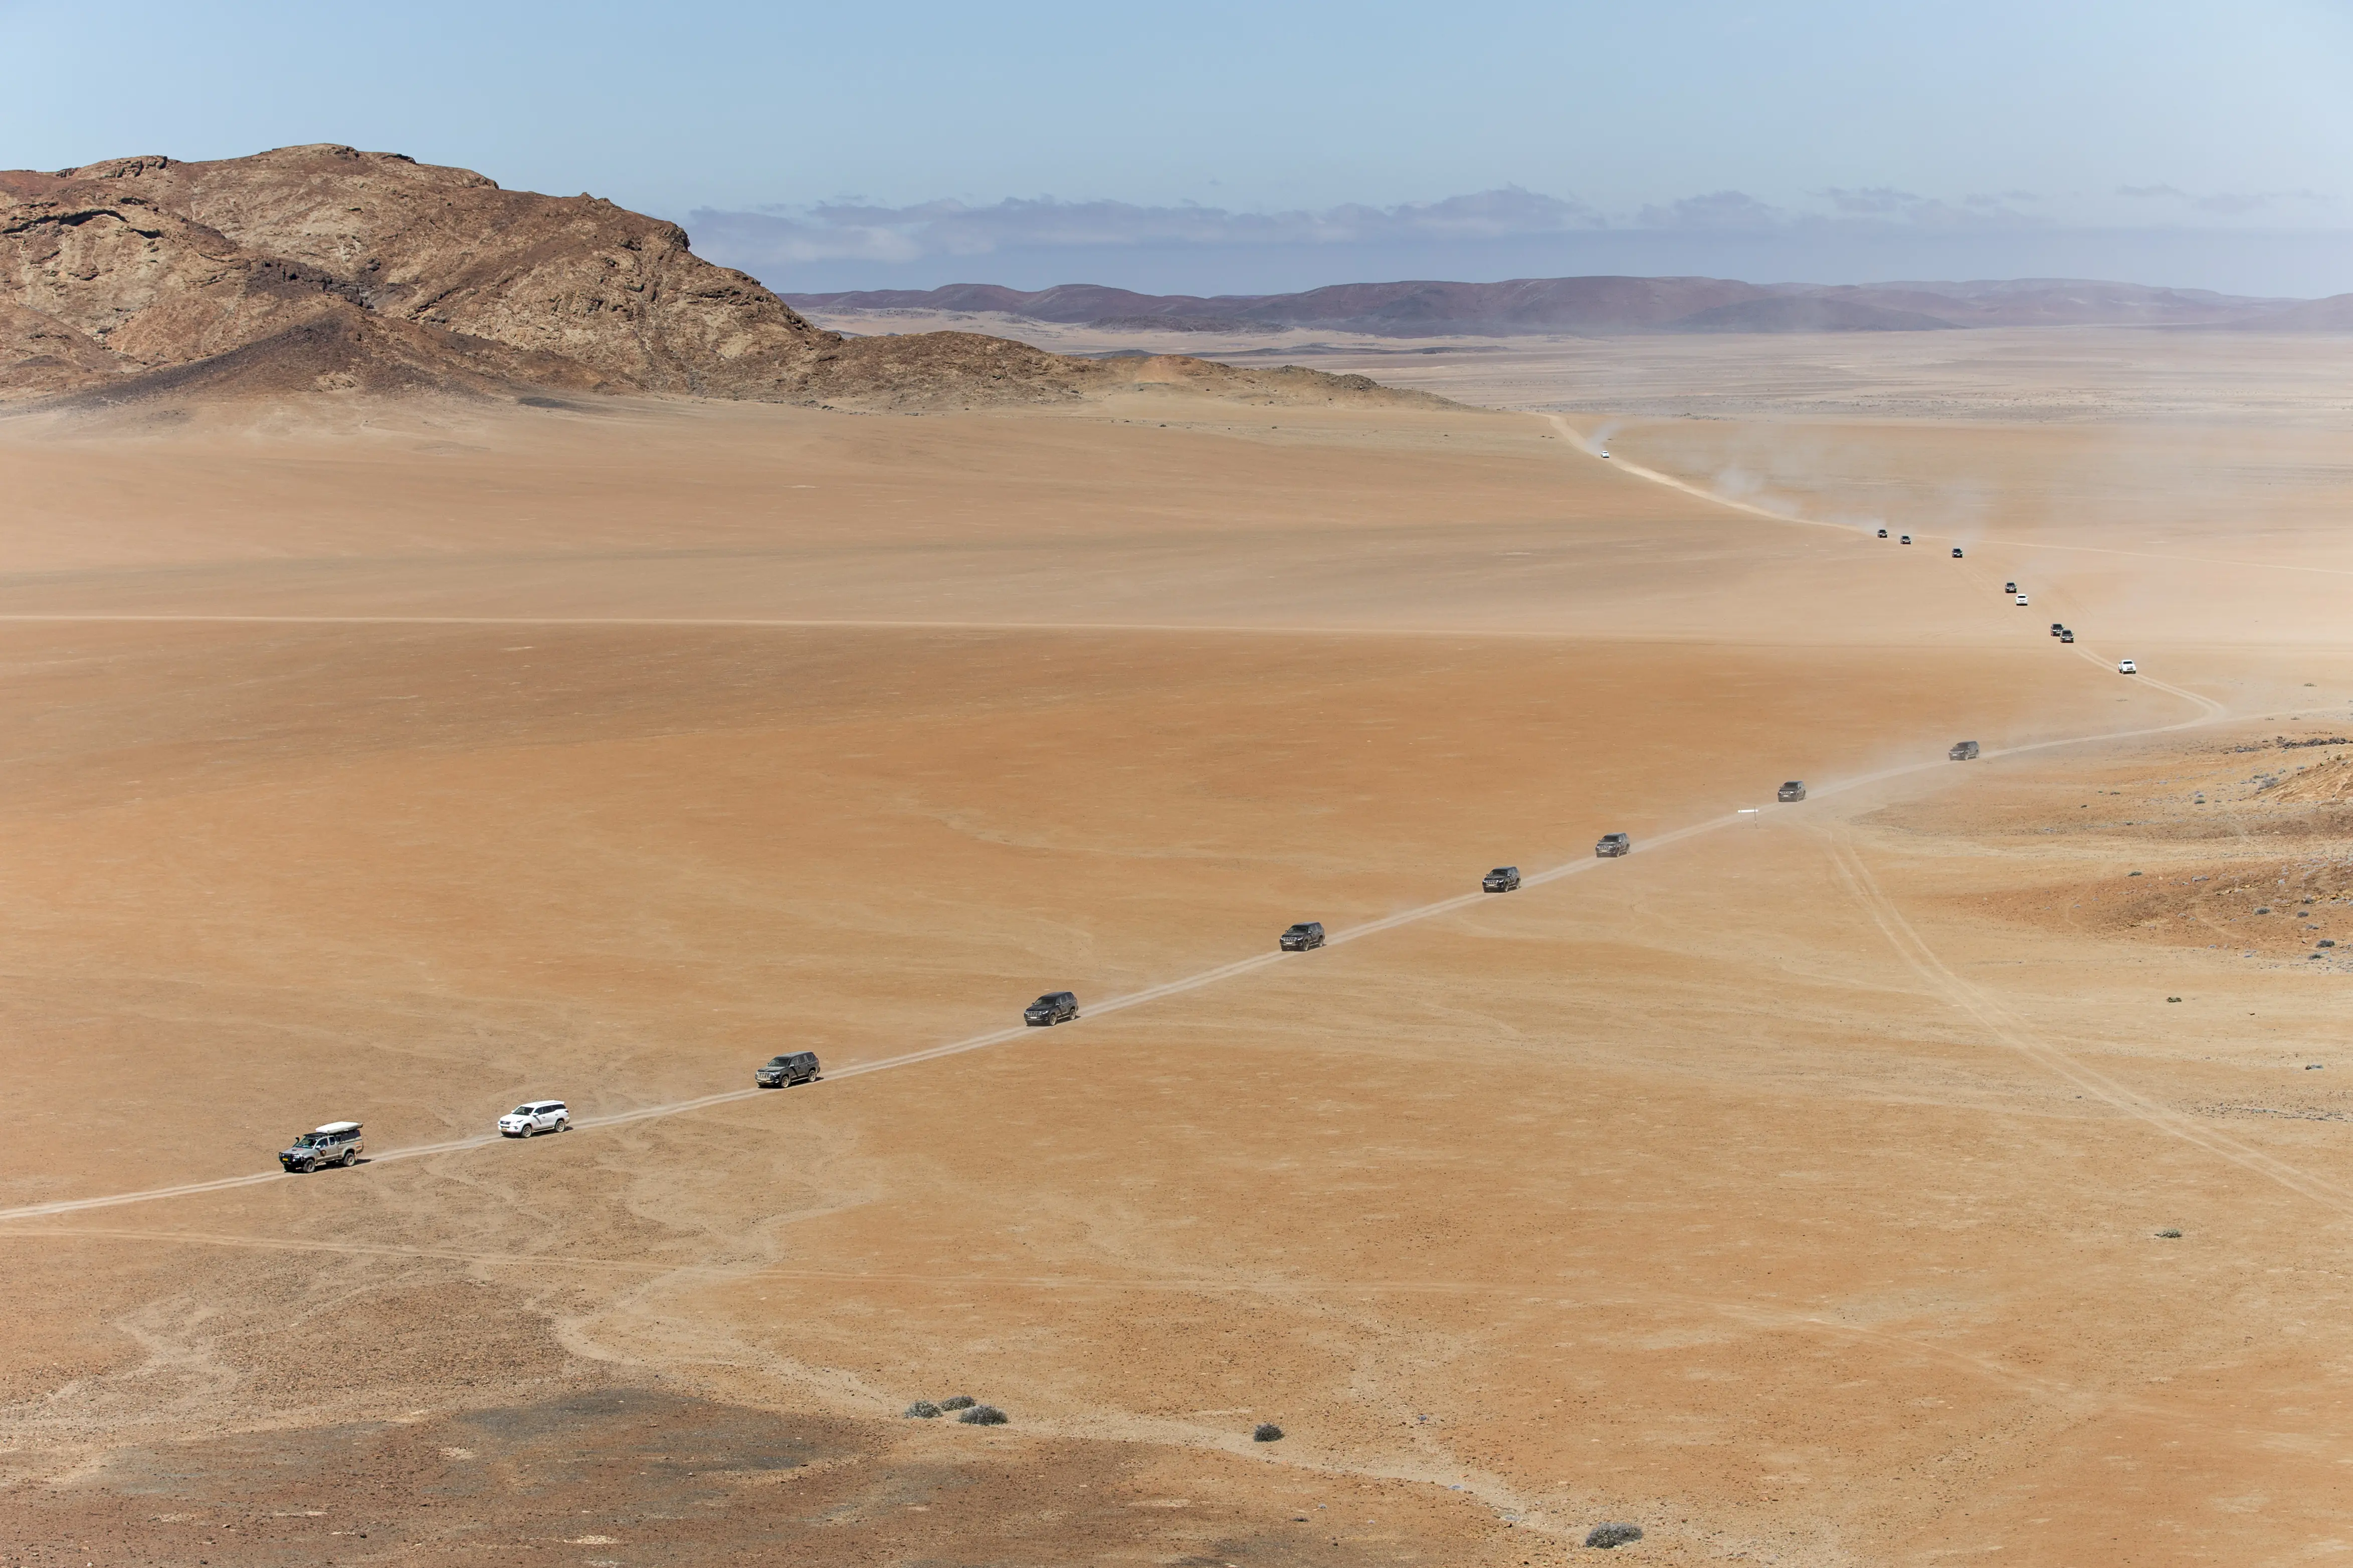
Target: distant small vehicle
1611, 844
2021, 600
1794, 790
1502, 879
335, 1143
2010, 587
1963, 751
1302, 937
533, 1118
2066, 637
2057, 627
1604, 457
2126, 666
1908, 539
1882, 534
1957, 552
1054, 1007
786, 1071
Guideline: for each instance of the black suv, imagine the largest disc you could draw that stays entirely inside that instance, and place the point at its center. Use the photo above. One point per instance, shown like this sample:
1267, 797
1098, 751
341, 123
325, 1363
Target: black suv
784, 1071
1794, 790
1300, 937
1054, 1007
1611, 844
1502, 879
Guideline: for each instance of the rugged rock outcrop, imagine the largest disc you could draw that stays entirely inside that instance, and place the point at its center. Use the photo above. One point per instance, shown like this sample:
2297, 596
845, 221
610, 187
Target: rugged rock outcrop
328, 268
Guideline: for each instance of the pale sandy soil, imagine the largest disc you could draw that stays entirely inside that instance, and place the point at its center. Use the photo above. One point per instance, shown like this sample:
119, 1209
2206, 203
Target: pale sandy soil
1792, 1189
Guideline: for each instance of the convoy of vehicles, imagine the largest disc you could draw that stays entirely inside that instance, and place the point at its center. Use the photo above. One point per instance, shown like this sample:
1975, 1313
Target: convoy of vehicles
335, 1143
1054, 1007
786, 1071
340, 1143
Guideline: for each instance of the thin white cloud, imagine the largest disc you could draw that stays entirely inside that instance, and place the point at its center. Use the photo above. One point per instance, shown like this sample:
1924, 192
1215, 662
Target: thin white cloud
853, 233
849, 230
2219, 204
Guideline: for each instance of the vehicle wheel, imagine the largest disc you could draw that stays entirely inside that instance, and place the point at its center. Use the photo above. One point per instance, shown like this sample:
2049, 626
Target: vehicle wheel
530, 1131
351, 1158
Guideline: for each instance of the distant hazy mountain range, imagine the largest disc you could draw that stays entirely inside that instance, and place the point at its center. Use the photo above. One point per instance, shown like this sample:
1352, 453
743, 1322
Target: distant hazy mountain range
1610, 305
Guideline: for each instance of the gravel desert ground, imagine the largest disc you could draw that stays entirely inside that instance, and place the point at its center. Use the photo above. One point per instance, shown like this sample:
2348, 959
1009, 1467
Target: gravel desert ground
1951, 1163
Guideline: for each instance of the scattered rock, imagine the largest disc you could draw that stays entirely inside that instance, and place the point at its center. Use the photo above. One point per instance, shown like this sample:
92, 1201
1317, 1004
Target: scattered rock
1266, 1432
1604, 1536
2173, 998
983, 1416
2170, 1234
923, 1410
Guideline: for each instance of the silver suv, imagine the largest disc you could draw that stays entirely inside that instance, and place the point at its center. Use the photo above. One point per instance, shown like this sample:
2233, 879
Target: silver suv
1611, 844
336, 1144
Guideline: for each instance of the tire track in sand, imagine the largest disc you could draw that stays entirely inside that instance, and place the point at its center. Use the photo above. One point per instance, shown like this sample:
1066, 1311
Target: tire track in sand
2017, 1034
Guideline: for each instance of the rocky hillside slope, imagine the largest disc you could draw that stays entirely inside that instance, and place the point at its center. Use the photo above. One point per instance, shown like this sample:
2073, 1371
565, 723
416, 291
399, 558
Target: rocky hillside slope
324, 269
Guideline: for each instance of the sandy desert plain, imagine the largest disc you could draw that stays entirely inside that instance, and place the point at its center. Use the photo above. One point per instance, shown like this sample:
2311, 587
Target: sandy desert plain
1803, 1188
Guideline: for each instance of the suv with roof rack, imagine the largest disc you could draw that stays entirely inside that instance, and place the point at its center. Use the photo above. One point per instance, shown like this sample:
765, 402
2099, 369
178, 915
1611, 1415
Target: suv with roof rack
335, 1143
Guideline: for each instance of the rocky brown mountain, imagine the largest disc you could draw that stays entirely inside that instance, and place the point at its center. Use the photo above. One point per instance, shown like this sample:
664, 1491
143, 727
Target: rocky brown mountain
327, 268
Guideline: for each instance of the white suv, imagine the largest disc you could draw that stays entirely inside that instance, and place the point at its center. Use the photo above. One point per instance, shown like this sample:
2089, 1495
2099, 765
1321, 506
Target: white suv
538, 1116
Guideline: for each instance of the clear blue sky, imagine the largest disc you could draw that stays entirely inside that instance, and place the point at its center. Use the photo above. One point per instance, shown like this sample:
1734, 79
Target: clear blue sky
1860, 137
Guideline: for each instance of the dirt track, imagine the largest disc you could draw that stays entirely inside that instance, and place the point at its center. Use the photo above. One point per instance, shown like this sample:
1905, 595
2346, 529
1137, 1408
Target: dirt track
1791, 1190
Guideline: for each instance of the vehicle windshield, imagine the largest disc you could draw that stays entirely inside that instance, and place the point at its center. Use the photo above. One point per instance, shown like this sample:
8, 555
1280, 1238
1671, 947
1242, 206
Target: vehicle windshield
523, 1110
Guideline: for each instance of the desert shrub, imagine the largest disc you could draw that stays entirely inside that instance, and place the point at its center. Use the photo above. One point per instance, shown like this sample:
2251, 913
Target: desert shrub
923, 1410
983, 1416
1266, 1432
959, 1402
2170, 1234
1605, 1536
